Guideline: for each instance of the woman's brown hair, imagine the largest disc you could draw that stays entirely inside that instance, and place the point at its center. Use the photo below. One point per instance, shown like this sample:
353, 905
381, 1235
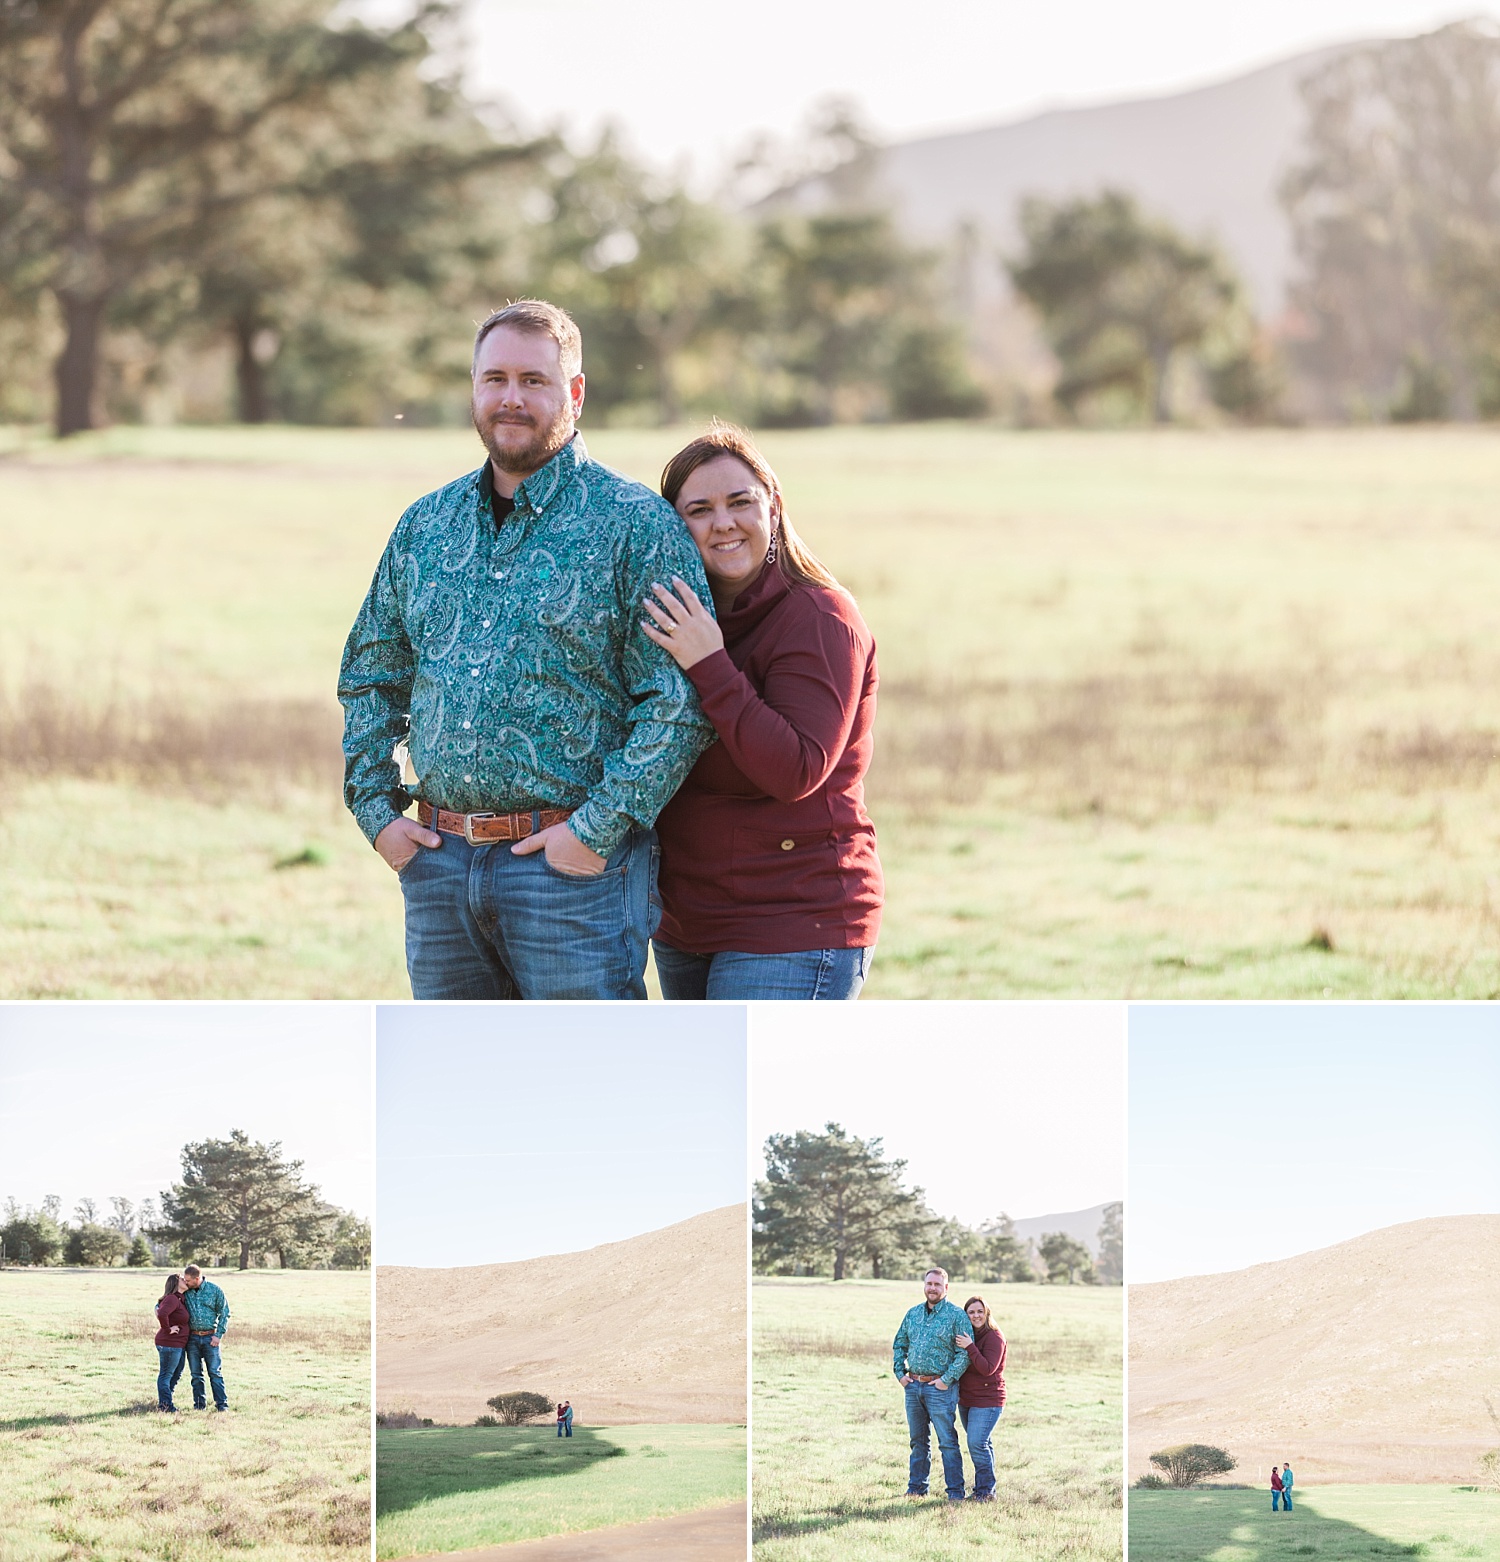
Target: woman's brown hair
988, 1321
171, 1289
798, 564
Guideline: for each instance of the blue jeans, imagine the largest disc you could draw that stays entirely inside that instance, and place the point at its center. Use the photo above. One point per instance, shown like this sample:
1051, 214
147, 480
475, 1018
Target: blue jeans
979, 1421
1286, 1498
170, 1359
200, 1355
928, 1406
1275, 1498
565, 1427
811, 973
482, 922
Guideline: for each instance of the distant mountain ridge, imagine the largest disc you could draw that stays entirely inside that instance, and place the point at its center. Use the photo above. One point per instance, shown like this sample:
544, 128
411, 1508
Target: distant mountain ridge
1211, 159
1081, 1224
651, 1329
1368, 1361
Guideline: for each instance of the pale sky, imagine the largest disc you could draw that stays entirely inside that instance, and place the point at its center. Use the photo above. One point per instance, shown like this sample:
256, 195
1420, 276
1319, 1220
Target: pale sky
510, 1131
98, 1099
687, 79
1016, 1106
1258, 1132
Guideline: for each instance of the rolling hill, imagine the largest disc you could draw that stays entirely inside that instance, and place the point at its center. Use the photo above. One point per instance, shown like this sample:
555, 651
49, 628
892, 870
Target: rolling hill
1211, 159
652, 1329
1369, 1361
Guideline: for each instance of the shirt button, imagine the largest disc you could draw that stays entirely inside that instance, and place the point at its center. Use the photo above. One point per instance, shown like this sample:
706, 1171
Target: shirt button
786, 846
468, 778
467, 725
486, 623
499, 574
473, 672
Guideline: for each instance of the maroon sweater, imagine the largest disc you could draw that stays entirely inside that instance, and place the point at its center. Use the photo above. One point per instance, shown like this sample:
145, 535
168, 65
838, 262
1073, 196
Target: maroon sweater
984, 1383
170, 1310
767, 847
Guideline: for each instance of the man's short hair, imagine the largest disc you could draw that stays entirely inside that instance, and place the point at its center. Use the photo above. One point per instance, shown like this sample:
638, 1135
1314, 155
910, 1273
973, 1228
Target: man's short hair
192, 1269
935, 1270
540, 319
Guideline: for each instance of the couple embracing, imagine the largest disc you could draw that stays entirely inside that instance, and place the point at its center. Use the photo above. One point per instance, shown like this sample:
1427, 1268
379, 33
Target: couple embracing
950, 1362
191, 1318
632, 717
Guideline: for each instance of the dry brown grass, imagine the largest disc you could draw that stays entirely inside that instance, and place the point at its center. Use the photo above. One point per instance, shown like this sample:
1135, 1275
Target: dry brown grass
1153, 738
164, 737
333, 1335
1065, 1353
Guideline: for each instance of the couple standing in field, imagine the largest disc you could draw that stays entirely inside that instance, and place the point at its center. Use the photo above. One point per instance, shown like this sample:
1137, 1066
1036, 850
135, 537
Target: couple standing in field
950, 1363
633, 718
191, 1318
1281, 1487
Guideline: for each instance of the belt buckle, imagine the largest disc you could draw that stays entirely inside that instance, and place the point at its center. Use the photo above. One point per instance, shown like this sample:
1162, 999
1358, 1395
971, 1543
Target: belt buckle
469, 826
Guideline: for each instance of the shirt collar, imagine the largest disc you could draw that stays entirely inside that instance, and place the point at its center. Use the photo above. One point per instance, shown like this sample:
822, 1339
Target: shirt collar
541, 488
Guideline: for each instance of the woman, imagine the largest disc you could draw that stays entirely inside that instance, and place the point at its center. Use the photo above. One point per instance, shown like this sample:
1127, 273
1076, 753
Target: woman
770, 884
172, 1329
981, 1393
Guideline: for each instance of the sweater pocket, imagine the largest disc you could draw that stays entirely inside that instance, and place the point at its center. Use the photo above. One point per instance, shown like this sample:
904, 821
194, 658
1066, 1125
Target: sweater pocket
783, 867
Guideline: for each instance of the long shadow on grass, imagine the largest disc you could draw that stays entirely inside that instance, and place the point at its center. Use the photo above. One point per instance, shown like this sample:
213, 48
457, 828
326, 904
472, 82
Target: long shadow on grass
1176, 1526
413, 1467
62, 1418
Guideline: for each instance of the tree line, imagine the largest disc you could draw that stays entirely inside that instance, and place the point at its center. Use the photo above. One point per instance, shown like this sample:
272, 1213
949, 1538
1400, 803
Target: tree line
239, 1202
832, 1204
274, 195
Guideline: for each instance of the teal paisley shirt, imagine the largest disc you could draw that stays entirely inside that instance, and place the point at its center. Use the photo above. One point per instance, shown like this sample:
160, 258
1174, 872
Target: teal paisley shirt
511, 660
924, 1342
208, 1308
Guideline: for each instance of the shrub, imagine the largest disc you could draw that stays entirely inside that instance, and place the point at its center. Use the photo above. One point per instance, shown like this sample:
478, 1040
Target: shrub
1188, 1463
1152, 1482
140, 1255
400, 1419
515, 1408
486, 1421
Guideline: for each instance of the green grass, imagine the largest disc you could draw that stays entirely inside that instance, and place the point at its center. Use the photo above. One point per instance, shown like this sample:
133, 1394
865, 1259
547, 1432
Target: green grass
448, 1488
830, 1446
92, 1471
1157, 708
1334, 1523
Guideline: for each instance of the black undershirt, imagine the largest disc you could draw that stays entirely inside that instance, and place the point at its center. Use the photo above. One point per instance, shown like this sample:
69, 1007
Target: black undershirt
501, 506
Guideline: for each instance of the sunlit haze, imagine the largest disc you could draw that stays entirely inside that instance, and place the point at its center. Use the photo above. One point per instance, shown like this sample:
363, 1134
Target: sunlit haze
1016, 1107
97, 1100
685, 81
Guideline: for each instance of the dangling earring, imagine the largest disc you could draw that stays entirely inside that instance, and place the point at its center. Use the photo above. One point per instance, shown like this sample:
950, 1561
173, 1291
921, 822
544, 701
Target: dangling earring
774, 551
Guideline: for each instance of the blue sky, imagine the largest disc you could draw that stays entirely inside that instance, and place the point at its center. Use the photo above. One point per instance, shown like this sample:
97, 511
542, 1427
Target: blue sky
97, 1099
1262, 1131
511, 1131
1017, 1107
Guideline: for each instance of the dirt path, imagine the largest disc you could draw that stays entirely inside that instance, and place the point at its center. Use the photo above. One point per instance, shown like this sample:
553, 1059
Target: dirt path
710, 1535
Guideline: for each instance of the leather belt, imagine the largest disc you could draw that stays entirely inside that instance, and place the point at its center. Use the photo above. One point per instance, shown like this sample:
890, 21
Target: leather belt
480, 829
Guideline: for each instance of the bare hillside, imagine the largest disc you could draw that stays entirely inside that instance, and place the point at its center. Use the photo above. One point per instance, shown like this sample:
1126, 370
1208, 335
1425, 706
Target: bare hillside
1211, 159
652, 1329
1368, 1361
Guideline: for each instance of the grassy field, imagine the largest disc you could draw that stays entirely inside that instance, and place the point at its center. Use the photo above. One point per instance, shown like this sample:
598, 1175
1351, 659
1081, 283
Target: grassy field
94, 1474
1336, 1523
447, 1488
1162, 713
830, 1445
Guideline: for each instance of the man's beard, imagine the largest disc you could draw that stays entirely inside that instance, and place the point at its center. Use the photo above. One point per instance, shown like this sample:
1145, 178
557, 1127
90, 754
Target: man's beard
536, 452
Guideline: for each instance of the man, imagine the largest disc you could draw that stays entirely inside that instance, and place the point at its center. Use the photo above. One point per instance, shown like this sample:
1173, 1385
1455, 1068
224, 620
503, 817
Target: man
208, 1317
928, 1365
565, 1419
500, 642
1286, 1487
